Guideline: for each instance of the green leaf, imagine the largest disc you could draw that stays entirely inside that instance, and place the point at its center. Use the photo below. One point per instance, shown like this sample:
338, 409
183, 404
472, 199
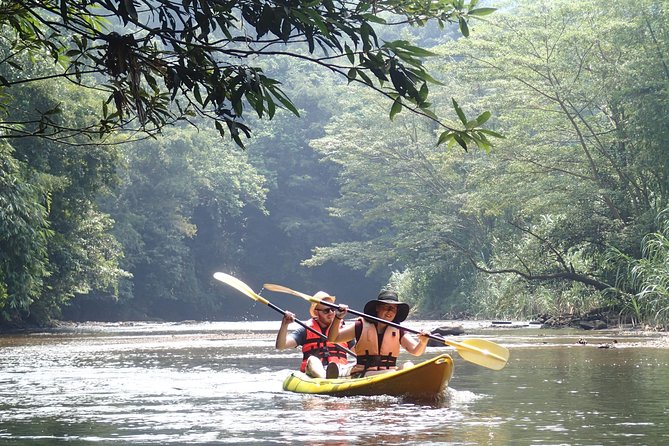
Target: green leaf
196, 93
459, 111
271, 108
464, 28
366, 32
63, 10
429, 113
365, 78
423, 93
349, 53
460, 141
220, 128
444, 137
492, 133
424, 75
283, 100
480, 12
481, 141
396, 108
411, 49
374, 18
483, 118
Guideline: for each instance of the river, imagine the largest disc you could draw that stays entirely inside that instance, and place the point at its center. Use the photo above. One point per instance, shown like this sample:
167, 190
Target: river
220, 383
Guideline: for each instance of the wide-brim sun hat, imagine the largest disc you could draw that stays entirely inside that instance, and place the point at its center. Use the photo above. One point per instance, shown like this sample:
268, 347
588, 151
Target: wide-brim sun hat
321, 295
388, 297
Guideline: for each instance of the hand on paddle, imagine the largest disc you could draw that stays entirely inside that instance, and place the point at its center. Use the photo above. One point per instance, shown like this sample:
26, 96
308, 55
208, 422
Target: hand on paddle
282, 340
288, 318
340, 313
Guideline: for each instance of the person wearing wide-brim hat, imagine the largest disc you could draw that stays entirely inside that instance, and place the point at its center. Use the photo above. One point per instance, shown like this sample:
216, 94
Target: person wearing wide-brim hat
388, 297
377, 343
317, 353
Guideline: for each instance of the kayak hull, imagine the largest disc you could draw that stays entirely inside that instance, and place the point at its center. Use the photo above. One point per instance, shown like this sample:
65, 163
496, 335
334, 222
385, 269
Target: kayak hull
424, 380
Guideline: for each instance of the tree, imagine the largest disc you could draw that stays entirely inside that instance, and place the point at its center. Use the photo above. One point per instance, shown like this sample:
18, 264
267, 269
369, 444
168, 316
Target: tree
403, 198
163, 61
582, 171
179, 212
24, 235
56, 242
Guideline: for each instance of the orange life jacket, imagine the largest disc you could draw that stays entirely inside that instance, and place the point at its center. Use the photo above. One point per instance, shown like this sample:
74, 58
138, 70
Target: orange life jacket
317, 346
371, 356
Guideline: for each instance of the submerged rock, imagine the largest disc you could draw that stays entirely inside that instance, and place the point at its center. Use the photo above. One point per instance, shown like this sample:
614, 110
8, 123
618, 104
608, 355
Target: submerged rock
454, 330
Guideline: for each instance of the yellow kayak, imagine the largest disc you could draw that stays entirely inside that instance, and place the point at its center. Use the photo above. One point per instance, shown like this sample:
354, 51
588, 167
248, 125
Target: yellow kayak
424, 380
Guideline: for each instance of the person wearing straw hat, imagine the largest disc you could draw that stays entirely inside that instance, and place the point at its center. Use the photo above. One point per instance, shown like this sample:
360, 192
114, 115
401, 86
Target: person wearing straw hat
377, 344
317, 353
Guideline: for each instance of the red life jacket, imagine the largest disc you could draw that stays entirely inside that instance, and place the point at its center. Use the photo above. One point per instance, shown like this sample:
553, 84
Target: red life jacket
371, 355
317, 346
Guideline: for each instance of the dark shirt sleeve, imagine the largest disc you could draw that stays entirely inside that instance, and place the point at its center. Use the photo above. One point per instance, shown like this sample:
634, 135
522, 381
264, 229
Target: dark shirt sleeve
300, 335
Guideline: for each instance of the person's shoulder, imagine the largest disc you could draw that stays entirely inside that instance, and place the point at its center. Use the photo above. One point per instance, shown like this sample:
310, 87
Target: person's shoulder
299, 334
300, 329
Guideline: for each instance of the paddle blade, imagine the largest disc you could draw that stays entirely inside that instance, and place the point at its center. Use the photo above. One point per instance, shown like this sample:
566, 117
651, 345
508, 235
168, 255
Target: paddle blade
239, 286
283, 289
481, 352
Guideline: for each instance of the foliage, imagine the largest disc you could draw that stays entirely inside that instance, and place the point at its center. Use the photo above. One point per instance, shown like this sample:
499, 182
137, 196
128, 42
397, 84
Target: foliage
580, 171
24, 235
402, 197
301, 187
162, 61
179, 212
645, 281
60, 240
559, 217
434, 293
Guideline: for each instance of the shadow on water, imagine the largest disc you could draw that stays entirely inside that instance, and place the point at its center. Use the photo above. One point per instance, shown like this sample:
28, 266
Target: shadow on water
221, 384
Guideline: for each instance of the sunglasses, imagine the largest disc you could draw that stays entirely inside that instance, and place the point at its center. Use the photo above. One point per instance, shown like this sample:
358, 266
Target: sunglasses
325, 310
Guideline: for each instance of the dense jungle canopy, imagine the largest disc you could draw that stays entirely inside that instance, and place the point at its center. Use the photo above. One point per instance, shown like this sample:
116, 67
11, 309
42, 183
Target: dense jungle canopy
119, 197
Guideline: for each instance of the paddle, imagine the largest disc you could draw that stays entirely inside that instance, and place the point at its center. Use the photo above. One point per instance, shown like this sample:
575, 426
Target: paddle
244, 288
477, 351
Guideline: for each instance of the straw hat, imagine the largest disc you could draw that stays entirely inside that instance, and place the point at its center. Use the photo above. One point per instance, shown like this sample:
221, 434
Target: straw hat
321, 295
388, 297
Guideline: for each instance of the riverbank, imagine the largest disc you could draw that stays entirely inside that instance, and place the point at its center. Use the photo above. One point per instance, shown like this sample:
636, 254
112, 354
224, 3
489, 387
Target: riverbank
568, 334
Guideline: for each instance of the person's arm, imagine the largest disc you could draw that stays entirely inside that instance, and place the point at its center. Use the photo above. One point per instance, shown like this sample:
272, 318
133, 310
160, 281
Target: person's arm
337, 334
284, 341
413, 346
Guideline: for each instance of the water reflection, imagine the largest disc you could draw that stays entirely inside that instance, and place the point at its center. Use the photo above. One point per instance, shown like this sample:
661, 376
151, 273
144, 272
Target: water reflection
221, 384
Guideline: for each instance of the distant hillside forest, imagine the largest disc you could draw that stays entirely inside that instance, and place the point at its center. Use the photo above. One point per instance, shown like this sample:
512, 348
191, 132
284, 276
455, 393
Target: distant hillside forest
534, 178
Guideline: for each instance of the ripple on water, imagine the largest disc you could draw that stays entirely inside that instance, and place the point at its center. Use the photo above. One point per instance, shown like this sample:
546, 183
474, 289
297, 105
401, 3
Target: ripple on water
221, 384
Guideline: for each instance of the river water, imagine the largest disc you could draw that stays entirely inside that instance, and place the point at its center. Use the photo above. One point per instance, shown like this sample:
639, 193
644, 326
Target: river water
220, 383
